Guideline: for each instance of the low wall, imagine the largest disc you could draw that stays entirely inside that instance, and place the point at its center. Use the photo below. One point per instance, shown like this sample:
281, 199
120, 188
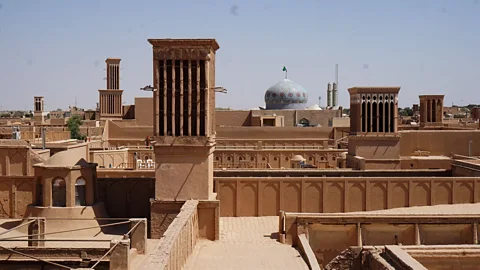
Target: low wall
70, 254
51, 136
440, 142
466, 168
162, 214
265, 133
178, 240
266, 196
330, 234
465, 257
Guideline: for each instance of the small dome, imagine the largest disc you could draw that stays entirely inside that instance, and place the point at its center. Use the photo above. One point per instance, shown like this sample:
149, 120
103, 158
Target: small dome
297, 158
65, 159
315, 107
286, 94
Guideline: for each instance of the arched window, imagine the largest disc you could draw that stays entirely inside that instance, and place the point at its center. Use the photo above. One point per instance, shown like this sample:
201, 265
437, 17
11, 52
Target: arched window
304, 122
80, 192
59, 195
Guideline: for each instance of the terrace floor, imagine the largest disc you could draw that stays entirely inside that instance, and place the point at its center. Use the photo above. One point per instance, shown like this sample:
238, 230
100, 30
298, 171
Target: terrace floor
245, 243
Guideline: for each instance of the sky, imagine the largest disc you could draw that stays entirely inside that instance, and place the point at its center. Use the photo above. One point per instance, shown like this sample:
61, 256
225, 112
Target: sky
57, 48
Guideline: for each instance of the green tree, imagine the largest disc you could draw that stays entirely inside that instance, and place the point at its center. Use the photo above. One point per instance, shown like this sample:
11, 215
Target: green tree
408, 111
73, 124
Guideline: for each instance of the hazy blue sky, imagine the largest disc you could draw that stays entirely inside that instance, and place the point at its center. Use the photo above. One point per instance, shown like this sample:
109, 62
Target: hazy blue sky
57, 48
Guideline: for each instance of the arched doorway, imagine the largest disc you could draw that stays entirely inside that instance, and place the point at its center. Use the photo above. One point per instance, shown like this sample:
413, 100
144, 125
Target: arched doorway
59, 195
80, 192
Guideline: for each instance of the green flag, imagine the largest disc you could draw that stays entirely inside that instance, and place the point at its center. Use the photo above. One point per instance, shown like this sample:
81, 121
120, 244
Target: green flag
285, 70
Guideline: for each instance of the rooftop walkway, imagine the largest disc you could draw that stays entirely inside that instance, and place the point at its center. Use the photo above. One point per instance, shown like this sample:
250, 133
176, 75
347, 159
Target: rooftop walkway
245, 243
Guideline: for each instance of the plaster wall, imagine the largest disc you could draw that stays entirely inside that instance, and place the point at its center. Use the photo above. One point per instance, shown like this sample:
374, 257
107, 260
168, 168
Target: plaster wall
54, 223
44, 154
275, 158
16, 193
441, 142
291, 117
143, 111
15, 161
427, 163
233, 118
462, 260
128, 111
372, 147
331, 235
466, 168
267, 196
278, 143
122, 158
111, 158
263, 133
181, 172
45, 177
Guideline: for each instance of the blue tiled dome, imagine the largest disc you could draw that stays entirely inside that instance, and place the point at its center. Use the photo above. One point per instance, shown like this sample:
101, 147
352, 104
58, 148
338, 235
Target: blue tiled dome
286, 94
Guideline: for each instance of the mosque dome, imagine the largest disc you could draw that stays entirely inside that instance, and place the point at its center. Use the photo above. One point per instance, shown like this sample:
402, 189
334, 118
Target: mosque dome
286, 94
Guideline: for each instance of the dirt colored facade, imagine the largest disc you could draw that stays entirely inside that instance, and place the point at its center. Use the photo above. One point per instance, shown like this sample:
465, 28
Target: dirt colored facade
266, 196
431, 110
290, 118
330, 235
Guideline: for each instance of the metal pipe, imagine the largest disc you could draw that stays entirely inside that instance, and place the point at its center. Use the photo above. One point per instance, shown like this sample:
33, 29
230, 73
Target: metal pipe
470, 148
44, 130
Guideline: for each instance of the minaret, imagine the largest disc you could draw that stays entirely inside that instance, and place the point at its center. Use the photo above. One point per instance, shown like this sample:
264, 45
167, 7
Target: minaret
329, 95
334, 95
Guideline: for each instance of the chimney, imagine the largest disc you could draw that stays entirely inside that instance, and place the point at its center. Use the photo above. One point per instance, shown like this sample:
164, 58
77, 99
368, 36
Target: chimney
329, 95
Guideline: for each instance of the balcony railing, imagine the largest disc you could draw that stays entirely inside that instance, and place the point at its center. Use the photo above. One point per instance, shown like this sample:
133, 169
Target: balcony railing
140, 165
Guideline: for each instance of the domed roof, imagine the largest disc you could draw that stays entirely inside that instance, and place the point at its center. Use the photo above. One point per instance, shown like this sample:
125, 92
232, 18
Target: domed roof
315, 107
286, 94
298, 158
65, 159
